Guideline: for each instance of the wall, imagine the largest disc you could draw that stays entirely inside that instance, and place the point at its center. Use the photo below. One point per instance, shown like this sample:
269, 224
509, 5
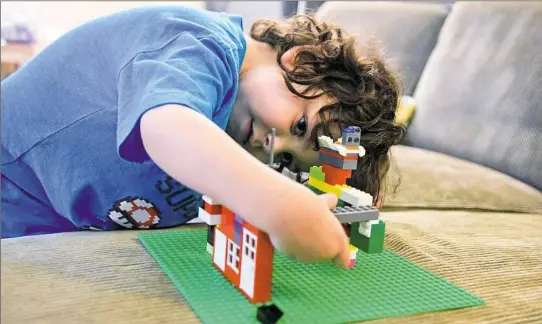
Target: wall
50, 19
250, 10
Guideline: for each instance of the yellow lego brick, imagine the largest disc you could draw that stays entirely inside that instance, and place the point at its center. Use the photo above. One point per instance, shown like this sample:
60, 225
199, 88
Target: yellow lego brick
324, 187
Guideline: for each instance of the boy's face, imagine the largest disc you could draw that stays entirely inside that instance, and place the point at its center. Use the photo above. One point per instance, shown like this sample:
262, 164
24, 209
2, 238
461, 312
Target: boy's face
264, 102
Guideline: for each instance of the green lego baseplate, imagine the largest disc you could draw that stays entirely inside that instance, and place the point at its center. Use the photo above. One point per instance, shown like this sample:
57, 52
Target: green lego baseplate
381, 285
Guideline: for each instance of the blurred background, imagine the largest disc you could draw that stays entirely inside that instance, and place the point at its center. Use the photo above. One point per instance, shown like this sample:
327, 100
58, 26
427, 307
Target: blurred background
471, 71
28, 26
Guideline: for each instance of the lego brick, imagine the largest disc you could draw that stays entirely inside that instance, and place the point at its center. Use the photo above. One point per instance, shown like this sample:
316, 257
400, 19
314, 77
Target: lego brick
338, 163
353, 255
365, 227
370, 245
336, 176
316, 191
385, 284
324, 187
219, 249
349, 214
208, 218
213, 209
351, 136
340, 203
238, 229
317, 173
327, 143
209, 200
327, 159
335, 154
355, 197
227, 216
350, 165
269, 314
334, 171
211, 234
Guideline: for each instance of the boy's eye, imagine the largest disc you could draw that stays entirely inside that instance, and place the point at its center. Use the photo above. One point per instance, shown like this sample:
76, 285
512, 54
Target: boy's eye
300, 127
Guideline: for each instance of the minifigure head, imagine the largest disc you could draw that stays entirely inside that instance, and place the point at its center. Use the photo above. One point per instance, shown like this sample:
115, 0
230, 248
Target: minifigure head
305, 78
351, 136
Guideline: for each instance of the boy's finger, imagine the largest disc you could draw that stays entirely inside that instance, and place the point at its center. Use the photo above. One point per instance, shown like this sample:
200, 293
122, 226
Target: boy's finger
343, 258
330, 199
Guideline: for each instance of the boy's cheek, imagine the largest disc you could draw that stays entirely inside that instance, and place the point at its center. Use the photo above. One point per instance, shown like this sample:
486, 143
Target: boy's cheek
258, 154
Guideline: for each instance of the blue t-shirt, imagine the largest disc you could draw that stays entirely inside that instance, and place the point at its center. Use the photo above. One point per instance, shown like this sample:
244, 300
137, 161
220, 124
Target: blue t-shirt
72, 155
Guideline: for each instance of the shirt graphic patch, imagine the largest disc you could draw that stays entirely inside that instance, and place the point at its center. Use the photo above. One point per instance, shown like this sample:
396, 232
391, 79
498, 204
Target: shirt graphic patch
135, 213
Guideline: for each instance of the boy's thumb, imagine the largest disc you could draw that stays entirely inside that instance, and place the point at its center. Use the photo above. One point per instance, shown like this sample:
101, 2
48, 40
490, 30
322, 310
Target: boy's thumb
330, 199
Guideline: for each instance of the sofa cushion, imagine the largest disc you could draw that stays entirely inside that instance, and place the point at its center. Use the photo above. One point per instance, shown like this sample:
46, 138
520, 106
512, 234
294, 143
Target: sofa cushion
407, 32
479, 97
432, 180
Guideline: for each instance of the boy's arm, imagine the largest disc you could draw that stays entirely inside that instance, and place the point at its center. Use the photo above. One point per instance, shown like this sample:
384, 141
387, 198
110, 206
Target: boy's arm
194, 151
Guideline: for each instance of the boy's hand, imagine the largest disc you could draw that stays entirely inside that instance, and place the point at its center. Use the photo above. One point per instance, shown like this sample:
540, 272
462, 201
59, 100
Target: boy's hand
312, 233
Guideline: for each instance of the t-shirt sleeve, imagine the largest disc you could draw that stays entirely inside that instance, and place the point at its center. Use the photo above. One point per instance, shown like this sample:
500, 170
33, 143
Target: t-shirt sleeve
192, 72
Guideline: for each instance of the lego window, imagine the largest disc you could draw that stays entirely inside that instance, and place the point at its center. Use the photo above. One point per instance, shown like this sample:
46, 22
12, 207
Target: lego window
250, 246
233, 256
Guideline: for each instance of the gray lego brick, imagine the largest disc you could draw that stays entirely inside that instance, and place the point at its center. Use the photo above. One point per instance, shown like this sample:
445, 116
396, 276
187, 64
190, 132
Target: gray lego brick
338, 163
350, 165
349, 214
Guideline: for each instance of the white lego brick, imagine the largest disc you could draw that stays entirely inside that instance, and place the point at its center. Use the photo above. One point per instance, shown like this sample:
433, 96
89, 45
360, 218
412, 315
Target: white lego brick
365, 227
209, 248
219, 256
208, 218
356, 197
208, 200
353, 253
196, 220
326, 141
360, 150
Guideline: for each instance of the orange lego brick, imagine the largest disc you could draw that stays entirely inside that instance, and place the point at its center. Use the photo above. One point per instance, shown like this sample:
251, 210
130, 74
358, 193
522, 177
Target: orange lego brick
213, 209
338, 156
228, 217
336, 176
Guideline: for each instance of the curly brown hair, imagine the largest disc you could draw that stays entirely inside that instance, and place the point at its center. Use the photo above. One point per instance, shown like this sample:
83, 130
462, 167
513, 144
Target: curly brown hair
365, 90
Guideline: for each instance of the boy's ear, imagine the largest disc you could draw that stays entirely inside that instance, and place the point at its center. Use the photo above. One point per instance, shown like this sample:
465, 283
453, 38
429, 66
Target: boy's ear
288, 58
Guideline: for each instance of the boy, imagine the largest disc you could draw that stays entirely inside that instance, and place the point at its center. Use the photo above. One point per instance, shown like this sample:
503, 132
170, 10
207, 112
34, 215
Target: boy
120, 124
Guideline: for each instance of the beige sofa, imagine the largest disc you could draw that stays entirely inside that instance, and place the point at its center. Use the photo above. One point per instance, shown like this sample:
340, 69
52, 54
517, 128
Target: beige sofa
473, 225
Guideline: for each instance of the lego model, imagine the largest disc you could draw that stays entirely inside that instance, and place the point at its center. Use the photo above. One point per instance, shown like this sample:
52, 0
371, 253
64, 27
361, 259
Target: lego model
241, 252
354, 208
244, 253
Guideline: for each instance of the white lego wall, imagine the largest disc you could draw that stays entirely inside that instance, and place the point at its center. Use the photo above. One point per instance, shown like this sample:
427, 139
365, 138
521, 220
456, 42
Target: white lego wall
50, 19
